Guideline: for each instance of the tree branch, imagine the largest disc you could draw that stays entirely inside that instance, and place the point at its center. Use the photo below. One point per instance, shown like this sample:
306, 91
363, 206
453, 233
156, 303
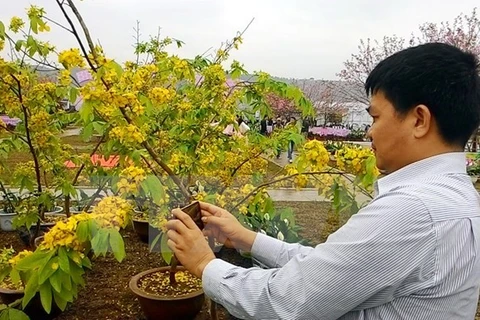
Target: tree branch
58, 24
266, 184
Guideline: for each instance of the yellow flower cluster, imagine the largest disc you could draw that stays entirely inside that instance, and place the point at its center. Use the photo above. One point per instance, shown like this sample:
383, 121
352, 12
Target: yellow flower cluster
181, 67
25, 169
128, 135
35, 12
130, 179
299, 179
246, 189
63, 234
42, 138
161, 95
22, 254
160, 221
64, 78
352, 159
113, 212
71, 58
39, 120
315, 153
16, 24
2, 45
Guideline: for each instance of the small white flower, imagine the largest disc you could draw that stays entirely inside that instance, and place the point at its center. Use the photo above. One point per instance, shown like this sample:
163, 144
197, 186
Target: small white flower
266, 216
286, 222
280, 236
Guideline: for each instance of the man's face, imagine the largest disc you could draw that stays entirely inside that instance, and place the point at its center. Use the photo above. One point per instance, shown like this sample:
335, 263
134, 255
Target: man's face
390, 134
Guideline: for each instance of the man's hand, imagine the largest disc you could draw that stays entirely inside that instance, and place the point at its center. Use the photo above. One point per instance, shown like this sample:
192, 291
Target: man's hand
225, 228
188, 243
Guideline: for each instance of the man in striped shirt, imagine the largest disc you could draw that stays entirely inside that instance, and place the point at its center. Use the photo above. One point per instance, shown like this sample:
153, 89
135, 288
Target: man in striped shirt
412, 253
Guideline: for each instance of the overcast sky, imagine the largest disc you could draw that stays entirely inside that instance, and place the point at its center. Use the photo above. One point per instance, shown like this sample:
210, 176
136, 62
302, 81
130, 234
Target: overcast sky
288, 38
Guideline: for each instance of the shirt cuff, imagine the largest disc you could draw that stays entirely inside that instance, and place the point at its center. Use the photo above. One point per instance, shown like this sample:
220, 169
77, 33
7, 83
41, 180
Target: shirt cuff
267, 249
213, 274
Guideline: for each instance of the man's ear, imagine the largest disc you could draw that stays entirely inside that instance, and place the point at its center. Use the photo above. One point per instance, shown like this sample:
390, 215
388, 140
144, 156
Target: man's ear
422, 120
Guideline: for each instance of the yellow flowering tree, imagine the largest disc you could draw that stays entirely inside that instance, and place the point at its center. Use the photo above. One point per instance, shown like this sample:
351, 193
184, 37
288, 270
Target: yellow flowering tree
167, 120
28, 95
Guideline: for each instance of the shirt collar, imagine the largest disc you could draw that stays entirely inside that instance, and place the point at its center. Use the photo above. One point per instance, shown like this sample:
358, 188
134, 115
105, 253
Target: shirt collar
446, 163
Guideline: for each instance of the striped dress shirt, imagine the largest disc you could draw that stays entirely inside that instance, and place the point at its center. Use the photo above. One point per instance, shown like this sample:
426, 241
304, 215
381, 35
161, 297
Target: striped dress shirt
412, 253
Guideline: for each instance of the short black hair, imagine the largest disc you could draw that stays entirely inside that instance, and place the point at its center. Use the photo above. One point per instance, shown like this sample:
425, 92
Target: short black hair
439, 76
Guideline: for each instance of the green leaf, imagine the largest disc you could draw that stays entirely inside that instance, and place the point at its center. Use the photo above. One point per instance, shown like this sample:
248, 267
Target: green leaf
32, 261
167, 254
19, 44
14, 314
34, 24
56, 280
86, 112
46, 297
83, 231
147, 103
73, 94
155, 241
4, 314
236, 73
59, 301
76, 274
86, 262
152, 185
4, 272
75, 258
15, 276
117, 245
48, 270
99, 127
65, 280
100, 242
118, 69
87, 131
2, 31
31, 289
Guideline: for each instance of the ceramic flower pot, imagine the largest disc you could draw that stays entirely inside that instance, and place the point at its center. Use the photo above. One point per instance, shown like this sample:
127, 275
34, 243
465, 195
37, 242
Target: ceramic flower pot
6, 220
74, 210
185, 306
56, 210
141, 228
34, 309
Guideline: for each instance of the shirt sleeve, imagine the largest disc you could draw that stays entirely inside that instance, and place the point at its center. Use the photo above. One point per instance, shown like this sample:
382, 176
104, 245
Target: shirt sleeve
382, 252
276, 253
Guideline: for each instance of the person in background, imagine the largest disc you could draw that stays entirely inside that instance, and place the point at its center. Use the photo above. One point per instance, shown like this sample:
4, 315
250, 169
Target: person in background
413, 253
291, 144
278, 125
263, 125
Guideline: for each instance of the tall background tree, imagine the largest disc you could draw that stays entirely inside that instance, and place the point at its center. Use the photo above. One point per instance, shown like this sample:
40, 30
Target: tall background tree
463, 32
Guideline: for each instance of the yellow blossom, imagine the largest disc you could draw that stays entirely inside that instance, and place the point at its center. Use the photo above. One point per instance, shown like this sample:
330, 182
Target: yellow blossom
16, 24
71, 58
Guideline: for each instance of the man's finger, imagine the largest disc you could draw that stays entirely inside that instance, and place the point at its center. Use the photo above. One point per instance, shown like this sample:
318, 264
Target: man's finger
207, 233
171, 245
210, 208
177, 225
173, 235
185, 218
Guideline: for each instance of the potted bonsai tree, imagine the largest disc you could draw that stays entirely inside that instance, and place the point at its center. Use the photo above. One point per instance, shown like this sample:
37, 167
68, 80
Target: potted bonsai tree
42, 282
